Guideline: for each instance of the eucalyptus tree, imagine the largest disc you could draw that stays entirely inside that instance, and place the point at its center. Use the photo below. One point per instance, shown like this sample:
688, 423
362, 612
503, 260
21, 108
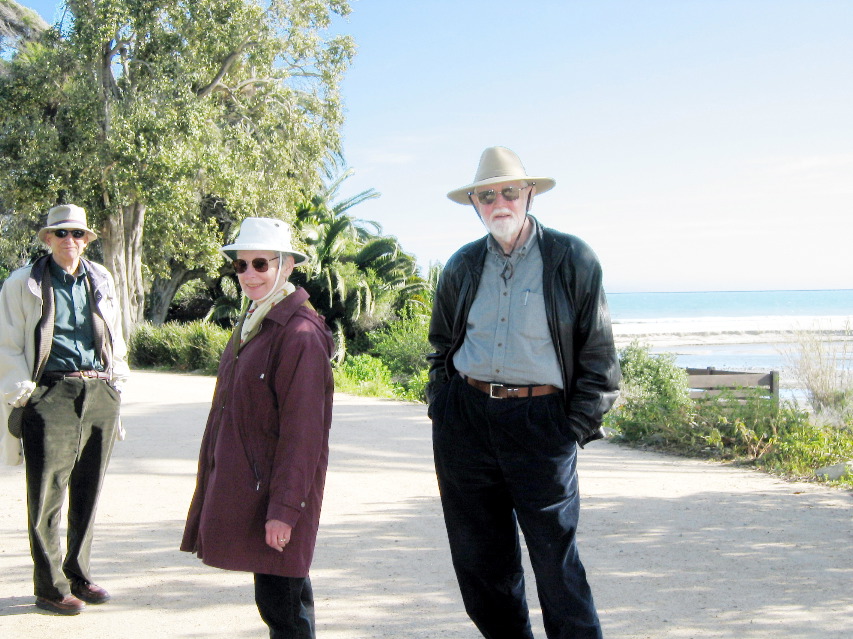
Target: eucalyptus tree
142, 110
18, 25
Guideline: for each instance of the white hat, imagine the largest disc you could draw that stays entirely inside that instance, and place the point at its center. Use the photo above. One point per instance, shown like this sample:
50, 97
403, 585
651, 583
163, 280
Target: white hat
67, 216
499, 164
263, 234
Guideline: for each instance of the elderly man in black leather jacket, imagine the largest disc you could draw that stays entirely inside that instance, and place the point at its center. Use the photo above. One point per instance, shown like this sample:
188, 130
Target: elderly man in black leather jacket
524, 369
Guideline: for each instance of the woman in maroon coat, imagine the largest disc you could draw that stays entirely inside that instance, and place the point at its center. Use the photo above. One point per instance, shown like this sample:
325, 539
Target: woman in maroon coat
263, 458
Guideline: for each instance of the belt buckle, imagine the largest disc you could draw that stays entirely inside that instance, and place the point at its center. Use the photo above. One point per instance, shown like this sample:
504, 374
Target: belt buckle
509, 390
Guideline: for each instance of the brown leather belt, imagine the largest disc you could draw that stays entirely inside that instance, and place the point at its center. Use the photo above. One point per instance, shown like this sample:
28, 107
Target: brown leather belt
57, 375
506, 391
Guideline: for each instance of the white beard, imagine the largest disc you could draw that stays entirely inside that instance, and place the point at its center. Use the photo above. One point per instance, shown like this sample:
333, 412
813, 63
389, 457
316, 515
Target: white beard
505, 229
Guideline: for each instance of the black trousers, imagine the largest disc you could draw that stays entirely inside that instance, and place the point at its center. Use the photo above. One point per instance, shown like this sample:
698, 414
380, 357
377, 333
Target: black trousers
68, 433
286, 605
501, 464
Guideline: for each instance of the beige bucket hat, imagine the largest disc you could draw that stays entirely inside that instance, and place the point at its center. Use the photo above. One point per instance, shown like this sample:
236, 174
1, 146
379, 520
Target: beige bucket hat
263, 234
499, 164
67, 216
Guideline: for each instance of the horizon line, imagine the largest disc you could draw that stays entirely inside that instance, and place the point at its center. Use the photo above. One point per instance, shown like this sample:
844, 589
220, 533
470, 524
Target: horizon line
760, 290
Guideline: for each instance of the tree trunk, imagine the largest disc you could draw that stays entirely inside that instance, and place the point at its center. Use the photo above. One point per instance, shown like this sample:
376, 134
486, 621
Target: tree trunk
121, 238
163, 291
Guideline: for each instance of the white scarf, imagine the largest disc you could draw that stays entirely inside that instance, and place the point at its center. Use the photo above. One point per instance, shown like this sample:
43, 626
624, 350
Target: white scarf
258, 310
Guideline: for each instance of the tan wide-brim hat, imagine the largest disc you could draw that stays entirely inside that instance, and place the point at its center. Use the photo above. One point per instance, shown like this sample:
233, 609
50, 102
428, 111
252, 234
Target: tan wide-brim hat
67, 216
263, 234
499, 164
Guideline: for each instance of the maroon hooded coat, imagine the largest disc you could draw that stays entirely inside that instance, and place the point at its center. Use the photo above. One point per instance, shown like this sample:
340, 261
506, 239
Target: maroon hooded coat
266, 446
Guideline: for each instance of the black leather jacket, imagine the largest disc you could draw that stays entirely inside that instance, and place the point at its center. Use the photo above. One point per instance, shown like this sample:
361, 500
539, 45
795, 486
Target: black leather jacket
578, 320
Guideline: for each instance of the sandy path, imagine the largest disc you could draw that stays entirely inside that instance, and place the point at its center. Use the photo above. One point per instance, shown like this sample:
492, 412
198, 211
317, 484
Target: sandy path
675, 548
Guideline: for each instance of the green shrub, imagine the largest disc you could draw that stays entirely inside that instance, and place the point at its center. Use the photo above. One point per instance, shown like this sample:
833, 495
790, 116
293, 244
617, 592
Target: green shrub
196, 346
655, 401
153, 346
204, 347
414, 389
364, 375
403, 347
747, 428
806, 446
777, 437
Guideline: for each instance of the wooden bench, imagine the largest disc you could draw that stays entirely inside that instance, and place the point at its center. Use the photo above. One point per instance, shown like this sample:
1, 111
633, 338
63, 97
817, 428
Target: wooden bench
705, 383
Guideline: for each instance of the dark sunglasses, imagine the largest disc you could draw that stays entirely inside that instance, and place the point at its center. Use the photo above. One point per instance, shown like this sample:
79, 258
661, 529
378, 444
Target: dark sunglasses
77, 234
510, 193
260, 264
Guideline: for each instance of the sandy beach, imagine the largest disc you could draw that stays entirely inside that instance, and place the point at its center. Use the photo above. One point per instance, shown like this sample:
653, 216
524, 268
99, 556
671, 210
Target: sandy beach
740, 343
731, 330
675, 548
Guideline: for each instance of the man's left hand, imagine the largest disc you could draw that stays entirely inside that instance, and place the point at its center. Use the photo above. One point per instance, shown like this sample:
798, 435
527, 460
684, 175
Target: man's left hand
22, 394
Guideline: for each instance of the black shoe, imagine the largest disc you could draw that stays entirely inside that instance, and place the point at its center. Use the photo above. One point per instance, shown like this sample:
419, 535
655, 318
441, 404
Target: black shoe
89, 592
67, 605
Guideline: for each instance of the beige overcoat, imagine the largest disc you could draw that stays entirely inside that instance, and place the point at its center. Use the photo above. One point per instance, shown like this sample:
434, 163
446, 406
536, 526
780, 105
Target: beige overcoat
21, 307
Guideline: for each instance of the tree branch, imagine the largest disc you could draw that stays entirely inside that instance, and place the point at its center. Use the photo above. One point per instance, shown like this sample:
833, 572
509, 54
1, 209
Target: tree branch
119, 44
226, 66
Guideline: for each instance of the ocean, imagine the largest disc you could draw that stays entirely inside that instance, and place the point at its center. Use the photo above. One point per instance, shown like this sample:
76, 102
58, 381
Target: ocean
734, 330
656, 306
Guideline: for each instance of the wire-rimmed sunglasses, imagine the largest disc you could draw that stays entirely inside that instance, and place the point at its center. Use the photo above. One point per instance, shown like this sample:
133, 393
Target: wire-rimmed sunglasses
510, 193
77, 234
260, 264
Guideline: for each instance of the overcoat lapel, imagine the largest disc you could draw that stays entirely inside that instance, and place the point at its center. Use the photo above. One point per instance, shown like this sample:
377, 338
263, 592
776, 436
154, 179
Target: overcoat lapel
44, 332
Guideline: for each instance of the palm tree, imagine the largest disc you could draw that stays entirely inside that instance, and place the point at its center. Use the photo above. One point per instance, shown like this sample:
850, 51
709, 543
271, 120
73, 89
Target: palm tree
357, 278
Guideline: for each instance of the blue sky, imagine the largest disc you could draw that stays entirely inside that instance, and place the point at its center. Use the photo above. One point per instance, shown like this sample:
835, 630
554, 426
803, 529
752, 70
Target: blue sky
696, 144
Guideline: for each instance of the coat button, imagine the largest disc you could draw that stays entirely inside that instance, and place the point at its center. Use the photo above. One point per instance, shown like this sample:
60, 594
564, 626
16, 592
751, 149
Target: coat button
302, 504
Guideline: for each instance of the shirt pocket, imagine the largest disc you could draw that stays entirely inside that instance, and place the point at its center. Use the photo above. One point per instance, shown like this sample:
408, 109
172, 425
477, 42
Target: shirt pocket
530, 310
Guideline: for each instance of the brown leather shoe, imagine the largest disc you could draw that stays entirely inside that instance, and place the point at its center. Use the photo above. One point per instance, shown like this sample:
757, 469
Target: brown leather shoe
67, 605
89, 592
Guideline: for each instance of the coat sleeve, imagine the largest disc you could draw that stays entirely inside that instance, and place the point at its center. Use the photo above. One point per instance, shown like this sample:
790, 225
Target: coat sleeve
595, 385
14, 371
13, 322
304, 387
441, 331
112, 313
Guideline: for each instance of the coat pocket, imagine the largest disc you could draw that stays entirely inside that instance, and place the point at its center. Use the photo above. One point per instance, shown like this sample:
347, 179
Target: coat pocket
16, 421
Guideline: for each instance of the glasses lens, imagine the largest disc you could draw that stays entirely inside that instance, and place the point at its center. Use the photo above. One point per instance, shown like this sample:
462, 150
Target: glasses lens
260, 264
510, 193
77, 234
487, 197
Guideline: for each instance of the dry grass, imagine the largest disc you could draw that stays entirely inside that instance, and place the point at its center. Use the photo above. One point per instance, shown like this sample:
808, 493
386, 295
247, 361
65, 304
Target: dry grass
822, 362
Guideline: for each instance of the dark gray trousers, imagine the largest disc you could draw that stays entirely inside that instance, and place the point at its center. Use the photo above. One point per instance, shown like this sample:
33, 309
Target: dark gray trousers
504, 464
286, 605
69, 428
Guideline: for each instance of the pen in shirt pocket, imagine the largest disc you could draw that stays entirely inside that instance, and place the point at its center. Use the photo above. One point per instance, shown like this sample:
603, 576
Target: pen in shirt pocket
526, 295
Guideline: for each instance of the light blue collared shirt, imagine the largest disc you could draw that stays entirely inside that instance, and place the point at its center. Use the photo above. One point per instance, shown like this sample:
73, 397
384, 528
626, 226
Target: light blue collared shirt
507, 339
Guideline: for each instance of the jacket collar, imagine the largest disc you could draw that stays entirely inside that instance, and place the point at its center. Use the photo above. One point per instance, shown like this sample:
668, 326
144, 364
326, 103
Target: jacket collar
280, 314
552, 251
37, 274
284, 310
42, 266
